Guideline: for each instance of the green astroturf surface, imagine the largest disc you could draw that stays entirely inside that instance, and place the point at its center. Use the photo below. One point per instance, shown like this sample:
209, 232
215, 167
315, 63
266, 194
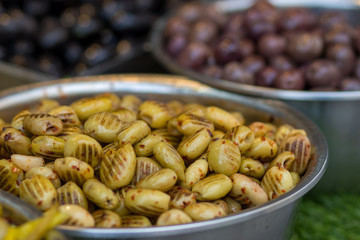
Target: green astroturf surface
328, 217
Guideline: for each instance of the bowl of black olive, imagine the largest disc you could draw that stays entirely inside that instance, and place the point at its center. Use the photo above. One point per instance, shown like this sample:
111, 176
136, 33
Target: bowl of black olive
47, 40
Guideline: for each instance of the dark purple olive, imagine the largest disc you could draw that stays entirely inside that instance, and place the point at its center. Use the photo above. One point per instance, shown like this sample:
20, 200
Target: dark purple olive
257, 29
72, 52
356, 69
3, 52
235, 72
343, 56
190, 12
18, 17
176, 25
290, 80
86, 25
52, 34
261, 11
271, 45
110, 7
322, 73
210, 60
213, 71
124, 47
194, 55
24, 47
8, 27
89, 9
226, 50
214, 14
68, 17
50, 64
24, 61
12, 23
96, 53
131, 22
338, 35
80, 68
261, 18
236, 25
281, 63
253, 63
176, 44
330, 19
147, 5
350, 84
266, 77
294, 19
25, 24
108, 37
304, 47
203, 31
246, 48
36, 7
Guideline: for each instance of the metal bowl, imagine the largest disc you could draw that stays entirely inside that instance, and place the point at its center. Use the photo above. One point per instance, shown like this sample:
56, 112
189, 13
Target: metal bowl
13, 75
336, 113
271, 220
16, 210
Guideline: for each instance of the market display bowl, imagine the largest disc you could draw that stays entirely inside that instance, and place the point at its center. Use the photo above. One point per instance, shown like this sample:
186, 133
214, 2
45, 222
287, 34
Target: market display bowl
271, 220
336, 113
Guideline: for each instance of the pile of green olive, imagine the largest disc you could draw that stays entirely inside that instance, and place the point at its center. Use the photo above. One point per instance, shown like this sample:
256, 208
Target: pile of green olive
110, 161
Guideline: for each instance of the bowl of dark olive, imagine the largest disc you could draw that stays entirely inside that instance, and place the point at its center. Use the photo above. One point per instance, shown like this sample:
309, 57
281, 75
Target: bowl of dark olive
303, 52
43, 40
287, 156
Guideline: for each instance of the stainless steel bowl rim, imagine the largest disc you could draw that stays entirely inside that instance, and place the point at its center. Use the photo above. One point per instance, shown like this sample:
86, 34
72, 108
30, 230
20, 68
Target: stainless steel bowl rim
158, 51
165, 84
18, 206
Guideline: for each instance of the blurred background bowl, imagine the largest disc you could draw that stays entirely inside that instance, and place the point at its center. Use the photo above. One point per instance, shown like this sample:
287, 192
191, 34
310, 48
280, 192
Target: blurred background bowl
44, 41
336, 113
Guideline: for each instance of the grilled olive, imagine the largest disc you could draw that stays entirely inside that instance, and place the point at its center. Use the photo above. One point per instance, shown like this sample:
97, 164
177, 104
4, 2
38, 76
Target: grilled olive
224, 156
103, 126
73, 169
106, 219
168, 157
212, 187
48, 147
118, 167
78, 216
204, 211
43, 124
100, 194
39, 192
147, 202
173, 217
10, 177
70, 193
86, 107
84, 148
46, 172
162, 180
